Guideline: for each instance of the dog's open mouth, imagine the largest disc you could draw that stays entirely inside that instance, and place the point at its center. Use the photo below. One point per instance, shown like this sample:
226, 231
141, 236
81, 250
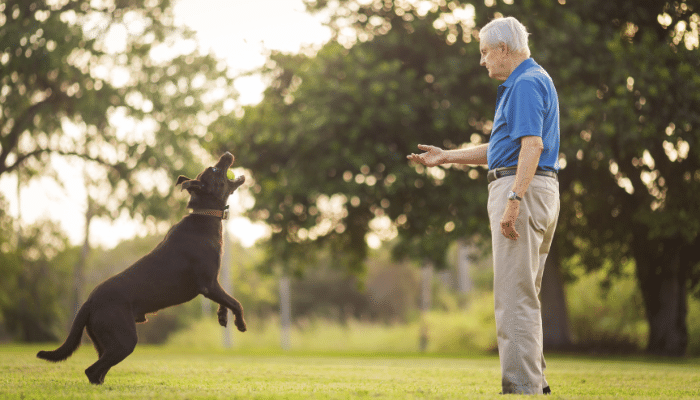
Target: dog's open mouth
229, 173
225, 163
214, 177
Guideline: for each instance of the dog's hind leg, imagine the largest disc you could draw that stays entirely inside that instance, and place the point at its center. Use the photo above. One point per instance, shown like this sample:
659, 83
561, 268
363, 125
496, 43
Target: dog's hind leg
95, 343
216, 293
115, 332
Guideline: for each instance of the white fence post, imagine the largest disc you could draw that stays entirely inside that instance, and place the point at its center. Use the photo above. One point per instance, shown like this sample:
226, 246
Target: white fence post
426, 302
464, 254
285, 312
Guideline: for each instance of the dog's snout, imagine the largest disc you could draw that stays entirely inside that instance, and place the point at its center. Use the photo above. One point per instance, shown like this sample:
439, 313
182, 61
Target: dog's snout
225, 161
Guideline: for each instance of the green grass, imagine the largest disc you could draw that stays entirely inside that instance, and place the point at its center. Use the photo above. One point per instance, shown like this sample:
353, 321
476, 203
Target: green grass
185, 373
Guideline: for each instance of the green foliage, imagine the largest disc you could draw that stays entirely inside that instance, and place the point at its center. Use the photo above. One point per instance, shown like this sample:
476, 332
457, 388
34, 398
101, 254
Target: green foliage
633, 155
160, 326
326, 147
130, 106
104, 263
463, 331
406, 78
607, 316
34, 282
387, 292
629, 96
9, 261
256, 290
104, 86
455, 333
629, 126
694, 326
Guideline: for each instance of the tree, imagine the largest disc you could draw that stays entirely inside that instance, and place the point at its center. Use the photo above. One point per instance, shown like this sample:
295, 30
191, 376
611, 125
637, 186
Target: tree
645, 125
113, 87
626, 76
35, 280
357, 108
628, 94
327, 145
106, 83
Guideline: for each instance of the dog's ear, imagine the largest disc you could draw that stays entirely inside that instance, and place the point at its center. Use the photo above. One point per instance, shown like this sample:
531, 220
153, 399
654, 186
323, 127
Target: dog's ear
188, 183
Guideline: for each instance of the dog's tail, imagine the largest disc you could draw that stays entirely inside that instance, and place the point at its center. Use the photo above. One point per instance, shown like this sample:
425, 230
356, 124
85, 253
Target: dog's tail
72, 341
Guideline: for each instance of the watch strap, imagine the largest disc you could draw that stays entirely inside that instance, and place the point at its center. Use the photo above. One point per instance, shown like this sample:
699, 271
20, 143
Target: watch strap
513, 196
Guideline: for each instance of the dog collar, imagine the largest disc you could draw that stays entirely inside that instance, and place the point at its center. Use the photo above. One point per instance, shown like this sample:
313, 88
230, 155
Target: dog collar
223, 214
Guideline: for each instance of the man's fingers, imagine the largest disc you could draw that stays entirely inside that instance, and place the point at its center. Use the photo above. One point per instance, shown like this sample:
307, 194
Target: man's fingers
418, 157
429, 158
508, 230
512, 234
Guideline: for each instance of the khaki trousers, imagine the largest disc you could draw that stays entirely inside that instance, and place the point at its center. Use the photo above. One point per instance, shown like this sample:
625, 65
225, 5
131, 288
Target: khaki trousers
518, 267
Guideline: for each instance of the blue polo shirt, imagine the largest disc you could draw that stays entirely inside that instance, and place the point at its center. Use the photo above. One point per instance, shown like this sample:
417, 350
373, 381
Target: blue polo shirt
527, 105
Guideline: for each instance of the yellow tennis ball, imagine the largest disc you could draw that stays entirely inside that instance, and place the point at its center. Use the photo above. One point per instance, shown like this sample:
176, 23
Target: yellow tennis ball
230, 175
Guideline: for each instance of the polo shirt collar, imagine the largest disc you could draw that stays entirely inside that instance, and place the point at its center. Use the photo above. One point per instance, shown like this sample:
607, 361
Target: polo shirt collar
519, 70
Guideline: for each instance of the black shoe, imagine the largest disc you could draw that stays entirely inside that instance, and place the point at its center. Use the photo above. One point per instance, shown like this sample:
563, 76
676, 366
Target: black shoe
546, 390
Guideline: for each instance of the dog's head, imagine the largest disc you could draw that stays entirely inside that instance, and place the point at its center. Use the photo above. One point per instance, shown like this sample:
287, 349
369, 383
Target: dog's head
211, 188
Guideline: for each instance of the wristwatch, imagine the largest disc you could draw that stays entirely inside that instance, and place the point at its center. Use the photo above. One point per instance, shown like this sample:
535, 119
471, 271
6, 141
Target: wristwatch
513, 196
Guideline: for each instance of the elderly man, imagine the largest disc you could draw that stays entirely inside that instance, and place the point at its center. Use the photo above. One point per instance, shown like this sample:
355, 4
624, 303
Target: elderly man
523, 203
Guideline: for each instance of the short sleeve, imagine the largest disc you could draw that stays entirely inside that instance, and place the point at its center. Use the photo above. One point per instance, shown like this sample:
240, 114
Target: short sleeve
526, 108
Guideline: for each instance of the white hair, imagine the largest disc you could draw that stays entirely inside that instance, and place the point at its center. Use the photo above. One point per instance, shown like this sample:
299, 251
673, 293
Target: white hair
506, 30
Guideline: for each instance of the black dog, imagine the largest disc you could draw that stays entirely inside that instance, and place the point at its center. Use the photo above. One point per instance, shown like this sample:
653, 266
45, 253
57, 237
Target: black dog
185, 264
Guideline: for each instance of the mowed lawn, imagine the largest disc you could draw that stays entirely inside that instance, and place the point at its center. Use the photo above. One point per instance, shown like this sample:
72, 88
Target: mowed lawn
175, 373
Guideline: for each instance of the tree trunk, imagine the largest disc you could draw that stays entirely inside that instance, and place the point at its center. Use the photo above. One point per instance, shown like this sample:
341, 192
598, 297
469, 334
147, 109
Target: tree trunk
663, 282
555, 318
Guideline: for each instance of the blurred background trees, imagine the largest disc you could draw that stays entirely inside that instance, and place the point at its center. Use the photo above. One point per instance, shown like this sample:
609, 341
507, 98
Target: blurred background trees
326, 147
100, 86
401, 73
629, 98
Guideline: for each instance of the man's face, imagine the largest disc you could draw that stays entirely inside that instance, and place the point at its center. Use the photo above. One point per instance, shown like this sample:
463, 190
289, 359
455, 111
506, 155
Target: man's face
494, 59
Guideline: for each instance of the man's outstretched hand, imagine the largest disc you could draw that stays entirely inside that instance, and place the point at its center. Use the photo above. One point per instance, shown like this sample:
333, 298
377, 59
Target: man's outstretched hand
433, 156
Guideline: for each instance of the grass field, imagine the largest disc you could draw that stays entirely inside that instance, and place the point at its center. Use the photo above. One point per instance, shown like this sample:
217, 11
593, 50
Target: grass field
179, 373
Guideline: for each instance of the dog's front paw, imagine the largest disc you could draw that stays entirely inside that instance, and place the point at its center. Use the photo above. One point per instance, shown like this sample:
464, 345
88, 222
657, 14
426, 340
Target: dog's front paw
223, 319
222, 312
240, 324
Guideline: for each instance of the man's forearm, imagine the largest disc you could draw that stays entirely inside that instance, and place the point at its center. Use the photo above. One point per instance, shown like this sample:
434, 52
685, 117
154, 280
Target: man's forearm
530, 151
471, 155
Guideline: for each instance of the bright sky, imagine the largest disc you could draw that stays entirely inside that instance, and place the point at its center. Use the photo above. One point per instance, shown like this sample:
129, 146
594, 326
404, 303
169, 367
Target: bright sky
238, 31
